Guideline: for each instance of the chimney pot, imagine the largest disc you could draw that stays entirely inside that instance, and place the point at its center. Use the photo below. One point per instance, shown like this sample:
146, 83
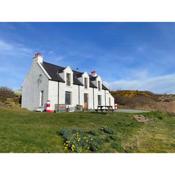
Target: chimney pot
93, 73
38, 57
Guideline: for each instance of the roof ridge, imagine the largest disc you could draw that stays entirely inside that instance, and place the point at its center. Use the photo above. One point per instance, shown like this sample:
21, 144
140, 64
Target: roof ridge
51, 70
62, 67
53, 64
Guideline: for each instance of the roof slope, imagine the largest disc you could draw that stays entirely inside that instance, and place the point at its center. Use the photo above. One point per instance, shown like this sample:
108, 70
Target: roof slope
54, 70
104, 87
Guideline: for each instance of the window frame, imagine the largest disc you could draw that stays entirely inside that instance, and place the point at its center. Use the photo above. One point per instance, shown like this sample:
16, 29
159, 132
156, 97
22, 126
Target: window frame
99, 104
99, 85
68, 79
42, 98
85, 82
70, 95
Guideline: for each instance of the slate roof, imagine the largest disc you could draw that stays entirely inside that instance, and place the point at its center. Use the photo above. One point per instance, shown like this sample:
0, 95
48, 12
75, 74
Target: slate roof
104, 87
76, 81
92, 78
76, 75
54, 70
92, 85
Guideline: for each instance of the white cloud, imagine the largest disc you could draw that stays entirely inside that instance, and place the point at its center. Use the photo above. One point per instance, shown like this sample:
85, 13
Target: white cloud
59, 58
4, 46
159, 84
7, 48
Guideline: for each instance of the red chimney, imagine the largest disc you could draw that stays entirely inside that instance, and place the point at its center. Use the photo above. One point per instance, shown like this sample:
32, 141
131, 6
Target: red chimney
93, 73
37, 54
38, 57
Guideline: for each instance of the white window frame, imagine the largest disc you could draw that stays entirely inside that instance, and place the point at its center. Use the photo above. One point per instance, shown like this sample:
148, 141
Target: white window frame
100, 100
85, 82
68, 83
70, 97
99, 85
41, 103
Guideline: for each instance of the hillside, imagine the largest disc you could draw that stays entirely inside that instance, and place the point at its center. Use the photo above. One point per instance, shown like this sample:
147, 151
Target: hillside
144, 100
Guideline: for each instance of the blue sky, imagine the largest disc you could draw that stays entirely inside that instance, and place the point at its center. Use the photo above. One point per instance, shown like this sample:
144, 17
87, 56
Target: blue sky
126, 55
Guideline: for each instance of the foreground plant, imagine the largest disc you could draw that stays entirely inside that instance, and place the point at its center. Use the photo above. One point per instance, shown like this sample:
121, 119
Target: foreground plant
77, 140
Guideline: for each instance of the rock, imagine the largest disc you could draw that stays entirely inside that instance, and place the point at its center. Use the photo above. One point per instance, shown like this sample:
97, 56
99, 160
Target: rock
140, 118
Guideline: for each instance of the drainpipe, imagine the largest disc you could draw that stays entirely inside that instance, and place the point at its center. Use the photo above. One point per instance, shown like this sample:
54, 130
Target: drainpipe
58, 92
93, 100
79, 94
105, 97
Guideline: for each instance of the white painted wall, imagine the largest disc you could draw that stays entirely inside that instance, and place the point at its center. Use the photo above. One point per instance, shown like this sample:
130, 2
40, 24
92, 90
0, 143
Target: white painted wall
74, 94
53, 93
32, 86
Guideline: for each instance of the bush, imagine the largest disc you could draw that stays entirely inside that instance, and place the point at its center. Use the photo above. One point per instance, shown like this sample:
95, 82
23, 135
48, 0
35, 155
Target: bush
160, 117
117, 146
6, 93
92, 133
77, 140
107, 130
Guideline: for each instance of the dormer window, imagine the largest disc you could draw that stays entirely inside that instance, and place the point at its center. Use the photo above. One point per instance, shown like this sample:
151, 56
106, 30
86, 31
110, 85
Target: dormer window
85, 83
99, 85
68, 79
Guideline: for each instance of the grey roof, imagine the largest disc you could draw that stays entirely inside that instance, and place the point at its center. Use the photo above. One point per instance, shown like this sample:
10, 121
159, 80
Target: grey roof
92, 78
54, 70
76, 75
92, 85
104, 87
76, 81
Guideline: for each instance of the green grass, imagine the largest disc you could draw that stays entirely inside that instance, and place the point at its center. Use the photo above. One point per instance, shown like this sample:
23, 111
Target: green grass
24, 131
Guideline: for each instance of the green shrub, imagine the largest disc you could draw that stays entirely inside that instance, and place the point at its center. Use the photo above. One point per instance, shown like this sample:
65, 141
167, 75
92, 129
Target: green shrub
112, 137
78, 140
6, 93
92, 133
117, 146
107, 130
160, 117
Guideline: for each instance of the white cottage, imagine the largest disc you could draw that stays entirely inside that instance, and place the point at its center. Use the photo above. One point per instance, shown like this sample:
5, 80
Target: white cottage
63, 86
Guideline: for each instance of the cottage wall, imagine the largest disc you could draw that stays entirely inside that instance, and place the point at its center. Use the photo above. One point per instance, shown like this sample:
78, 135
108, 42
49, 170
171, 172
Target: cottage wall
35, 81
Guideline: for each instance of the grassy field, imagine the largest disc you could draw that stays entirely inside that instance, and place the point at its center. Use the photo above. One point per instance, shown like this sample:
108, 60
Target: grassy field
24, 131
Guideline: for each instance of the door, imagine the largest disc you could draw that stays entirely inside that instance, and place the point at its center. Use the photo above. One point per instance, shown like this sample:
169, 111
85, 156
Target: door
85, 101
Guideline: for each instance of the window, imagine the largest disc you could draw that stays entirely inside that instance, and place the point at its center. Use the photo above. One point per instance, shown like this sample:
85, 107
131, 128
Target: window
41, 98
85, 98
68, 81
109, 101
68, 98
99, 85
99, 100
85, 101
85, 83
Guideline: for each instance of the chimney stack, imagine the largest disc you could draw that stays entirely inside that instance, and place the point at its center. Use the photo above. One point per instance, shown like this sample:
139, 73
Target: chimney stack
38, 57
93, 73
